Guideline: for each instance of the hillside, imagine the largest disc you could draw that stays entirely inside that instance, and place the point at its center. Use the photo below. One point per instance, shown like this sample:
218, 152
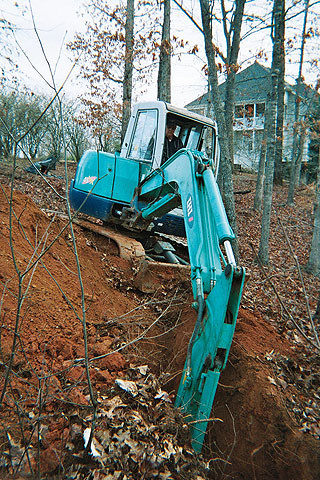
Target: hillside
267, 406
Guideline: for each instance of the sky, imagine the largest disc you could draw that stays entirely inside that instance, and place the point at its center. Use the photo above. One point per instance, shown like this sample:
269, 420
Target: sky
58, 20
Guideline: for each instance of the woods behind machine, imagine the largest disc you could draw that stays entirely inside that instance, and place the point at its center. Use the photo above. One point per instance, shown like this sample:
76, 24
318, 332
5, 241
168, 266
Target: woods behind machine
142, 191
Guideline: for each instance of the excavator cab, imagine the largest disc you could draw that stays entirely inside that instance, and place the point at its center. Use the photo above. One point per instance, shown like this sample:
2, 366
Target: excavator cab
144, 139
106, 183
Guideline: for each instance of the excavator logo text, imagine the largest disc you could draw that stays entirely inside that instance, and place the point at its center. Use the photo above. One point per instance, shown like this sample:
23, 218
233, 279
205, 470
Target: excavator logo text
88, 180
190, 211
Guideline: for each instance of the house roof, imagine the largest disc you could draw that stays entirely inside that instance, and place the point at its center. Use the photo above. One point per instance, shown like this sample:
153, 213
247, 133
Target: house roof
251, 85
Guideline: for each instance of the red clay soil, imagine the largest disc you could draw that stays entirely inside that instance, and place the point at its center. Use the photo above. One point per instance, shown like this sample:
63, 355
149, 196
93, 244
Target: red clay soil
262, 392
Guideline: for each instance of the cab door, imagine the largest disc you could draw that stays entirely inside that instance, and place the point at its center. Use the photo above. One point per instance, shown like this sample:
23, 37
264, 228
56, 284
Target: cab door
129, 171
144, 136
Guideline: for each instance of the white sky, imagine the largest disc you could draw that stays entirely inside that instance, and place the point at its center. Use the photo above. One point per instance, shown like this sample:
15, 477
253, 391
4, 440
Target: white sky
57, 21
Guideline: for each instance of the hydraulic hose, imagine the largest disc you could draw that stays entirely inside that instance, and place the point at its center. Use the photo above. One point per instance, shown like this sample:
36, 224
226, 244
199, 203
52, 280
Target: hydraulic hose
201, 305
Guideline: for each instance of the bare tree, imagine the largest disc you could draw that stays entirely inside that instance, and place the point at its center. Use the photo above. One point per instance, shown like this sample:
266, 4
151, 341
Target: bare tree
116, 55
313, 265
164, 74
277, 19
8, 122
54, 136
75, 133
278, 173
299, 124
19, 111
128, 67
31, 107
261, 172
224, 113
232, 37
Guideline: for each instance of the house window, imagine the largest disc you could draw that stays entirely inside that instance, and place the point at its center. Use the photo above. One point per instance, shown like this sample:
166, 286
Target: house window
249, 110
260, 108
249, 116
238, 113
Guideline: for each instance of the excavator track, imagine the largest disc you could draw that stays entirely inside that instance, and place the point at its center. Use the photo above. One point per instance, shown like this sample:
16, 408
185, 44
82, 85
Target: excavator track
134, 246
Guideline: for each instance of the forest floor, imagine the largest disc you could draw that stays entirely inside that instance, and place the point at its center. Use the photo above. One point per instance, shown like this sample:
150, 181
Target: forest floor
267, 404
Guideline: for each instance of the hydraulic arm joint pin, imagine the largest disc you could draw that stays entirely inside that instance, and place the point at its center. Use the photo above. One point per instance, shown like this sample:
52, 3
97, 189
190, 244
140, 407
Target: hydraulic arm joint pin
229, 252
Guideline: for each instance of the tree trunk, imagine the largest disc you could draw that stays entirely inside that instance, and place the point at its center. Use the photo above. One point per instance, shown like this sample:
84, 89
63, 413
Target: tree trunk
261, 173
164, 74
268, 187
271, 129
278, 171
299, 128
316, 315
232, 59
128, 68
313, 265
226, 161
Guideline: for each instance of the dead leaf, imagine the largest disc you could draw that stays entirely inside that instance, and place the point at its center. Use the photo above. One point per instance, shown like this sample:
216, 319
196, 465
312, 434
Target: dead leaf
128, 386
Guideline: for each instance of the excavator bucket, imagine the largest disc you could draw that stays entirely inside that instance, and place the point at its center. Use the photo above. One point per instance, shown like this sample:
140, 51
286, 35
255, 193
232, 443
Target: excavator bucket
129, 248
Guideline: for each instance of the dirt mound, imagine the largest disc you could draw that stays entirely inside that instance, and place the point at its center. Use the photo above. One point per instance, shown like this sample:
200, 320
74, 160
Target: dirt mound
47, 405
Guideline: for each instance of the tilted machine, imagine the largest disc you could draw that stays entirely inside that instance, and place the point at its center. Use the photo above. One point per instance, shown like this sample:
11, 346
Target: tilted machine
135, 190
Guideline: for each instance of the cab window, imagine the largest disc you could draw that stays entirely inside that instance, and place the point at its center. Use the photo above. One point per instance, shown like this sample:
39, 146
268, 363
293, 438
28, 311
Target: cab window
144, 137
198, 137
208, 142
193, 140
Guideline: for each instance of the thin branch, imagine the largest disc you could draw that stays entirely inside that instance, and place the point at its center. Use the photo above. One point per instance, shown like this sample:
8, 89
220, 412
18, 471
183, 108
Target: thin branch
41, 46
189, 16
302, 282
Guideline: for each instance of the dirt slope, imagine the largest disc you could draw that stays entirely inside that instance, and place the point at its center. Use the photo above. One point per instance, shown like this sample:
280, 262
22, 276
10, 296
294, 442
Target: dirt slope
268, 396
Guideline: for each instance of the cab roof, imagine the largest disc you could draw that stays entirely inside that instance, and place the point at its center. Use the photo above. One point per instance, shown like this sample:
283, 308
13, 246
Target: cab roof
181, 112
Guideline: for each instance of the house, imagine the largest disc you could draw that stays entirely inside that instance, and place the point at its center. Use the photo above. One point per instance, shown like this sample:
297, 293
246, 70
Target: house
252, 86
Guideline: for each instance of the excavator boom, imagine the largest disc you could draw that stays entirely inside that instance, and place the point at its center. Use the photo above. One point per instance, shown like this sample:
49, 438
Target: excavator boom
217, 282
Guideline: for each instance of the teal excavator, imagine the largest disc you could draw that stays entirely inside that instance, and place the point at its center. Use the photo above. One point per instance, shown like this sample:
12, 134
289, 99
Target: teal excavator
135, 189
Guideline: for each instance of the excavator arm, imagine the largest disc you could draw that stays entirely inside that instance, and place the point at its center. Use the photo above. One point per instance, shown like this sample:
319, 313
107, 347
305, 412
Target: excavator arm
217, 282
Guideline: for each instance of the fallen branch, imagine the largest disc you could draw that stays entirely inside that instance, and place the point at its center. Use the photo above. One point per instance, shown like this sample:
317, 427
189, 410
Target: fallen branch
204, 420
